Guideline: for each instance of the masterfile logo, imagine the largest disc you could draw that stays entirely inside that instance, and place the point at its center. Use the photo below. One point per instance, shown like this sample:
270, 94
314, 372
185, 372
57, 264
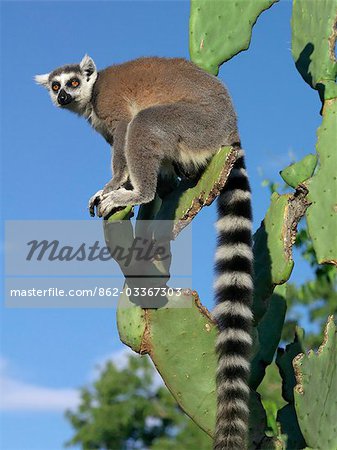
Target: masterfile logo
77, 263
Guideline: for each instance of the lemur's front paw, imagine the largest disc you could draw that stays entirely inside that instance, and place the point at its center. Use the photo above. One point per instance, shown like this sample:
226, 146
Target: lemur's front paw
106, 204
94, 202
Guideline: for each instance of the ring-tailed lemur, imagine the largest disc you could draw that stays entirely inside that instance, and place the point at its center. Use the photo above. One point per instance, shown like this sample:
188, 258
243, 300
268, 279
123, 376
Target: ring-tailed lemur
158, 112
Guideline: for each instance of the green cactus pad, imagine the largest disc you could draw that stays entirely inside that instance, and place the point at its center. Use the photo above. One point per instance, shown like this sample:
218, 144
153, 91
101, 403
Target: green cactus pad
315, 392
273, 246
184, 203
281, 262
215, 35
287, 415
284, 360
322, 214
122, 214
181, 343
180, 339
313, 41
131, 323
300, 171
268, 336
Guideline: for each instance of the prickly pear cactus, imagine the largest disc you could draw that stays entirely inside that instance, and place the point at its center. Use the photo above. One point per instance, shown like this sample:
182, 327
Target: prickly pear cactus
181, 340
287, 415
268, 337
309, 387
315, 392
322, 214
309, 381
313, 44
273, 241
300, 171
314, 35
186, 325
215, 36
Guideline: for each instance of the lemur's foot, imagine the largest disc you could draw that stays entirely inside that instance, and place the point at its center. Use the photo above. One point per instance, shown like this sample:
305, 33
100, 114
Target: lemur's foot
120, 198
97, 198
111, 200
105, 207
94, 201
106, 201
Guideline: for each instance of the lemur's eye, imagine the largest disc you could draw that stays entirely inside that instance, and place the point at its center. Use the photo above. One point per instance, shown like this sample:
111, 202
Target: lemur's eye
55, 86
73, 83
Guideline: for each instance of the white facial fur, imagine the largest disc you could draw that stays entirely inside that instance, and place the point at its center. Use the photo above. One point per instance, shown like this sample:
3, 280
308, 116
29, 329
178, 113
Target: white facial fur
81, 95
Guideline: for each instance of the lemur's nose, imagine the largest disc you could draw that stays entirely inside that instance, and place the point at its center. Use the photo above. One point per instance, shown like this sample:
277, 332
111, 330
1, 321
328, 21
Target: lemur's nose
64, 98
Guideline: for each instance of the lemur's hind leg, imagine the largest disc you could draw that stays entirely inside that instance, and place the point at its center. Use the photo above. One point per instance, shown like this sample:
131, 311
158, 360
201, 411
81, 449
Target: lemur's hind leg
182, 132
118, 161
144, 152
118, 167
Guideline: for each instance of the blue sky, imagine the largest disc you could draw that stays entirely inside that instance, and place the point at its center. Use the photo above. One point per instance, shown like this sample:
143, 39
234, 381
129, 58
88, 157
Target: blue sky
53, 162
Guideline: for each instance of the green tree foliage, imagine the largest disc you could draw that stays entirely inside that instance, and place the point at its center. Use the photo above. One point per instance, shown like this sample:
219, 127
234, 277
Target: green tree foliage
126, 409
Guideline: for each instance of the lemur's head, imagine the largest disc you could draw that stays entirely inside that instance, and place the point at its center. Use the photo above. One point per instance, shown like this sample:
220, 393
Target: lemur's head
71, 86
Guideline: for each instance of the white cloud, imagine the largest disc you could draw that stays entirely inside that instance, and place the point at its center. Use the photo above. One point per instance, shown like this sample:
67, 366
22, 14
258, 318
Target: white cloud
120, 359
16, 395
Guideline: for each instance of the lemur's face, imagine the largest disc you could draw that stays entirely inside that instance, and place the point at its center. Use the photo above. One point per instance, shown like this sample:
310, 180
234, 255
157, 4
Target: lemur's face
71, 86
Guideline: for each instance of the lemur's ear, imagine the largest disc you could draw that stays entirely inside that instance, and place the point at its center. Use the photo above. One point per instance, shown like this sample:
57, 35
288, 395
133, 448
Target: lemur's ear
42, 79
87, 66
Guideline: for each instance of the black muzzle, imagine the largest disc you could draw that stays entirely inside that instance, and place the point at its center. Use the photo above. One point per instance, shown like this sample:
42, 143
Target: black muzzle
64, 98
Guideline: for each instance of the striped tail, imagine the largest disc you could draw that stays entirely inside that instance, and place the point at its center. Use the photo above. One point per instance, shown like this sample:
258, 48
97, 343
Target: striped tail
233, 291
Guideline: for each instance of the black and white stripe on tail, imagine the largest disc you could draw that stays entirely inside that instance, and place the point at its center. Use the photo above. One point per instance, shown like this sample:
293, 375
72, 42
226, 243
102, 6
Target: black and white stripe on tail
233, 291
